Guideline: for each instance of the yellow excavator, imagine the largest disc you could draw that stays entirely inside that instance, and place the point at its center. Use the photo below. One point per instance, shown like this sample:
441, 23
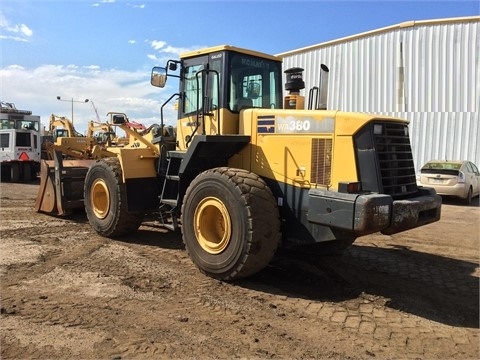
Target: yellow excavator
61, 135
105, 134
247, 169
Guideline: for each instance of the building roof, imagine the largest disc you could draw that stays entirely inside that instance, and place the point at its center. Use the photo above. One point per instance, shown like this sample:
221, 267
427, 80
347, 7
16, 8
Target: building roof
405, 24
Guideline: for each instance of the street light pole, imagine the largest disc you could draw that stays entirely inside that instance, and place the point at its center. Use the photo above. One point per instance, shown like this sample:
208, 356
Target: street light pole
72, 101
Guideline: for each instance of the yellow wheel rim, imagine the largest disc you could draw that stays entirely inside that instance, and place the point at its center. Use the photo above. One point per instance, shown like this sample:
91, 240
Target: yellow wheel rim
100, 198
213, 227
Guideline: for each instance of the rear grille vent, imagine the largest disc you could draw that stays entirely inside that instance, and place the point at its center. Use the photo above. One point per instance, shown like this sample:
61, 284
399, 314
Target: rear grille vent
321, 161
395, 160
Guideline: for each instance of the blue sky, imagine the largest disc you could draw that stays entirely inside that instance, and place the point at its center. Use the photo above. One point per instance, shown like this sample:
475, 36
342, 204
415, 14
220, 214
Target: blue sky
104, 50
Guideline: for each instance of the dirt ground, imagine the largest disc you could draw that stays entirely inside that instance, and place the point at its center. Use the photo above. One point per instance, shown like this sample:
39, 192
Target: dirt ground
67, 293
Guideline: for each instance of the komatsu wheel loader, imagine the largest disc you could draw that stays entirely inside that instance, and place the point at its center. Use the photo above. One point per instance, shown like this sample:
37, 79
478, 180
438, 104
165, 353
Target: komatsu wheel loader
246, 170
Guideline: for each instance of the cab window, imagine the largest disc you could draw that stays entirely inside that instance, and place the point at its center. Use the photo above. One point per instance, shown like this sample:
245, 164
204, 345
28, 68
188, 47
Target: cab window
254, 83
193, 88
201, 87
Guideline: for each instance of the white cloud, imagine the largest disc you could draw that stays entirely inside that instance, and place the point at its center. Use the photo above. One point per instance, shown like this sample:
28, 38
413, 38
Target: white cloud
25, 30
132, 42
158, 44
16, 32
103, 2
92, 67
178, 50
163, 48
108, 89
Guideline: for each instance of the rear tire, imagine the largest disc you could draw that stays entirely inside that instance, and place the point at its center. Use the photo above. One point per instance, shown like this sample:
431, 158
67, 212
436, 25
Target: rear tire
468, 199
15, 173
106, 200
27, 172
230, 223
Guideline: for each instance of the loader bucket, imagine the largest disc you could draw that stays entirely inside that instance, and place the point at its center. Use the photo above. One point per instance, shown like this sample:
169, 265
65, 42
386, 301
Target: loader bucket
61, 185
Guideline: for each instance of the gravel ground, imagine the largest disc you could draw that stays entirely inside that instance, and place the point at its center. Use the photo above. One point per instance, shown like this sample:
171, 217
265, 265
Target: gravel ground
67, 293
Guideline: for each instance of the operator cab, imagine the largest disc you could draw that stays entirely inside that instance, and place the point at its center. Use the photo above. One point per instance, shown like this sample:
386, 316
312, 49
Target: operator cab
216, 84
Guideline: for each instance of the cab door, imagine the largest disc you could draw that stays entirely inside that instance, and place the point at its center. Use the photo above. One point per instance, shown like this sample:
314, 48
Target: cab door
199, 100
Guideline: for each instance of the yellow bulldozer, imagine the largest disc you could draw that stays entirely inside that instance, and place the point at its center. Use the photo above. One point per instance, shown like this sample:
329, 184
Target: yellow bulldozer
247, 170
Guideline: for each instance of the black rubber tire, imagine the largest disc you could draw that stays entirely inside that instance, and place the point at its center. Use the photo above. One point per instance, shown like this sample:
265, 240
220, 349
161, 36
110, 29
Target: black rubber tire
15, 173
27, 172
116, 220
253, 220
468, 199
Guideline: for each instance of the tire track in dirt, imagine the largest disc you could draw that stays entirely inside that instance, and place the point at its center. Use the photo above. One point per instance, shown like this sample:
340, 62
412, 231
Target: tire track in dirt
141, 297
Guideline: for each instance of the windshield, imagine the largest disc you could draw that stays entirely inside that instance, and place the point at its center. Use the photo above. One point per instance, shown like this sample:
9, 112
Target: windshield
445, 168
20, 124
442, 166
254, 82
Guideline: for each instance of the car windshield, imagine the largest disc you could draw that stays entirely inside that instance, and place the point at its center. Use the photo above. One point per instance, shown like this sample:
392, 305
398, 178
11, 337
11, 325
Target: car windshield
443, 166
447, 168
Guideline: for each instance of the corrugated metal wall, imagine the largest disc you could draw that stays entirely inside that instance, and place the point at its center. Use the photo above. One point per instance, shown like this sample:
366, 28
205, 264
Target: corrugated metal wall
427, 72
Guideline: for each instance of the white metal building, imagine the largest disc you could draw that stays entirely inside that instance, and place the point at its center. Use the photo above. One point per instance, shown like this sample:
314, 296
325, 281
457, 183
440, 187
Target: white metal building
425, 71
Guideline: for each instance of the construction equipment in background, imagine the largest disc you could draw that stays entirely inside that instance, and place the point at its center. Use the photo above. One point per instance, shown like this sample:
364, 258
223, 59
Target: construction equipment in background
62, 136
62, 173
104, 133
247, 170
20, 148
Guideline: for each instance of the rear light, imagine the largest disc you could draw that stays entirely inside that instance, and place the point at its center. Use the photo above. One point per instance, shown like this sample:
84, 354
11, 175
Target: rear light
461, 177
349, 187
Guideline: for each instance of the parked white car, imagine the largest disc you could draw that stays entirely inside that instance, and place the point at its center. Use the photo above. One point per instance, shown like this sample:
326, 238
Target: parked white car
460, 179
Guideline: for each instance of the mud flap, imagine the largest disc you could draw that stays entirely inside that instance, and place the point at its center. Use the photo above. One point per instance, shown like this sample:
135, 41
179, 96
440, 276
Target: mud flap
61, 185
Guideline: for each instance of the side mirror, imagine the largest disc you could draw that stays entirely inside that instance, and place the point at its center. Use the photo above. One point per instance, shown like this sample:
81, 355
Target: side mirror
159, 77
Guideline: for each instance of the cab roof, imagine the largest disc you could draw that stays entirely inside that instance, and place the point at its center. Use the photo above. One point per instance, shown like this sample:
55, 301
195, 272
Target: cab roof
213, 49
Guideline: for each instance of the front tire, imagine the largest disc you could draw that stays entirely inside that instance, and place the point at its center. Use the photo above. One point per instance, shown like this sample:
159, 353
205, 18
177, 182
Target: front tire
106, 200
230, 223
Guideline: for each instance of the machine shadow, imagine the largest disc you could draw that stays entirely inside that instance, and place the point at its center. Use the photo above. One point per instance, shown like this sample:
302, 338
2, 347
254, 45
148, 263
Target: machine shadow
459, 202
430, 286
151, 234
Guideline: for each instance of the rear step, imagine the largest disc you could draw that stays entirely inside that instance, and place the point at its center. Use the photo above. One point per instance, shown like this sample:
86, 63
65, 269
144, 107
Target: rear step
61, 185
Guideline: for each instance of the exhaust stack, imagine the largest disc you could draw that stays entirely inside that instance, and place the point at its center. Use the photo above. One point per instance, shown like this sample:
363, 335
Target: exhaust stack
323, 88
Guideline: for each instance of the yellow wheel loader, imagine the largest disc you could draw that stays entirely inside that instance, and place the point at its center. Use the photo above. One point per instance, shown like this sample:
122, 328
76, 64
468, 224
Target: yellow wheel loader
246, 170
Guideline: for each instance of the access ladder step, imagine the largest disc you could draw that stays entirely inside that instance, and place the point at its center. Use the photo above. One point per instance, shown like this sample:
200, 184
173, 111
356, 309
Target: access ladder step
171, 202
173, 177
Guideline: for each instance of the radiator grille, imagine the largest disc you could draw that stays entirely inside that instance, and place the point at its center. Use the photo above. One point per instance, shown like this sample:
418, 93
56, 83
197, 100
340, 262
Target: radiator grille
397, 172
321, 161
